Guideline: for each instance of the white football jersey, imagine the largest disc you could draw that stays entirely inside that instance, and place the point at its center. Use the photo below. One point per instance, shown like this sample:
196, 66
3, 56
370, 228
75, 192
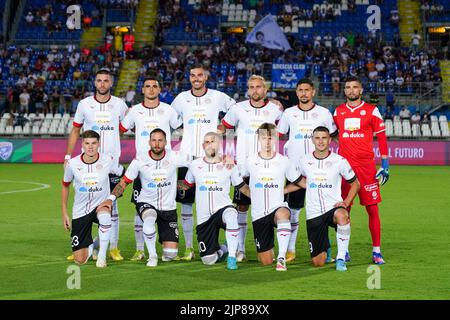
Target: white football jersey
267, 181
158, 178
145, 120
323, 182
104, 118
200, 115
248, 119
212, 186
300, 125
90, 182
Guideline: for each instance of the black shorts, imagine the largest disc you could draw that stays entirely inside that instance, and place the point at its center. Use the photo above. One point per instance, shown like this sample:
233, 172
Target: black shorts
240, 198
137, 187
263, 232
296, 199
82, 230
317, 229
185, 196
165, 220
208, 233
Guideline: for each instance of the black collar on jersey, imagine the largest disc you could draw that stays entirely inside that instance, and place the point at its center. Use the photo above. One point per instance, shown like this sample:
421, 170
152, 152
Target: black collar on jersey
150, 154
329, 152
206, 91
266, 101
98, 157
313, 106
159, 102
95, 98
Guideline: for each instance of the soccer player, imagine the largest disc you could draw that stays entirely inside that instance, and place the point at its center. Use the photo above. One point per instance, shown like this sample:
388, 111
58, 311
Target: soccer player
323, 171
268, 171
300, 122
357, 122
156, 201
90, 173
144, 117
102, 113
199, 108
214, 207
248, 116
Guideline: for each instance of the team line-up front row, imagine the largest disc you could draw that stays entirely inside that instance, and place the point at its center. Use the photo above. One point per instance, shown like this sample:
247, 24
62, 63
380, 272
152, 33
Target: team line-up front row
200, 172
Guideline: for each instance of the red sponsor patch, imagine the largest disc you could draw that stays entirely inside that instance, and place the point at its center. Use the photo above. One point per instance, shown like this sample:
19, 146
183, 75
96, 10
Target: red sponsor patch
371, 187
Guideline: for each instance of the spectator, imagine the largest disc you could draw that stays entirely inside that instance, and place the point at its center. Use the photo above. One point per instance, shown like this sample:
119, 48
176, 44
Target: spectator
415, 119
24, 101
426, 118
405, 114
29, 18
415, 40
389, 114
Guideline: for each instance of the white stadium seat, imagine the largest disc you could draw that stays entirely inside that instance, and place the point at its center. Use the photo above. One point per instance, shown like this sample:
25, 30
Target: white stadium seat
389, 127
9, 130
2, 130
435, 132
57, 116
6, 116
66, 116
35, 130
416, 130
433, 118
444, 129
309, 24
43, 130
397, 128
426, 132
406, 128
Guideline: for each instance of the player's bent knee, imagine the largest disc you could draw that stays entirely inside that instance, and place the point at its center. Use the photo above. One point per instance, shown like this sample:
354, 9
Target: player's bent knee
319, 261
243, 207
81, 257
283, 214
266, 258
210, 259
342, 216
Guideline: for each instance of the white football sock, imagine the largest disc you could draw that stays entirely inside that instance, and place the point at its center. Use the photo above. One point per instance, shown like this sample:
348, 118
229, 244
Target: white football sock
283, 236
114, 239
149, 231
242, 221
294, 229
232, 231
138, 234
376, 249
342, 238
187, 221
104, 233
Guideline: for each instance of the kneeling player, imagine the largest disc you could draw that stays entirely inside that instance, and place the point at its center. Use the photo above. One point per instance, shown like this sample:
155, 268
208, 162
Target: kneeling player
156, 202
90, 173
214, 207
323, 171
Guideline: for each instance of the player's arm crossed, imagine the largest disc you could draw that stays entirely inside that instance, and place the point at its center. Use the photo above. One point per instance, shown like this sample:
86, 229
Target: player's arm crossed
300, 183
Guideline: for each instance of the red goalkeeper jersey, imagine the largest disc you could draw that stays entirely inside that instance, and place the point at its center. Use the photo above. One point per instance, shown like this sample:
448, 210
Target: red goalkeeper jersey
357, 126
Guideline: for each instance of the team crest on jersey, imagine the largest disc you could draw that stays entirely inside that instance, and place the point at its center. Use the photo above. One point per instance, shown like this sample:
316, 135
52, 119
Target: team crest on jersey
219, 167
110, 106
99, 167
207, 100
310, 163
363, 112
165, 163
6, 149
328, 164
314, 115
266, 113
92, 107
160, 112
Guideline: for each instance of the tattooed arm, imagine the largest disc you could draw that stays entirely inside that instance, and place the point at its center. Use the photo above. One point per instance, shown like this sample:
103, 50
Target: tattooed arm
117, 192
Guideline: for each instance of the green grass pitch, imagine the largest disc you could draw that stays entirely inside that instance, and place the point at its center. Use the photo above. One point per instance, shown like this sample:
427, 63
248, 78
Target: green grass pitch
415, 235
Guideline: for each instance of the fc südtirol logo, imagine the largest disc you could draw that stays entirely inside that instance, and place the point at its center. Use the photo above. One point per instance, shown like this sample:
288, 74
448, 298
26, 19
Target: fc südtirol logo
6, 150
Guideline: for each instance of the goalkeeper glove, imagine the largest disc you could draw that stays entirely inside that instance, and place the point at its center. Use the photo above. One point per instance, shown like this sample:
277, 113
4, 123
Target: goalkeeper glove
383, 172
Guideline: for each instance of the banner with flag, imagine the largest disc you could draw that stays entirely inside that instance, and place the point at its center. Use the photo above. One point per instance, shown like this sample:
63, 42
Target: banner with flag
269, 34
286, 75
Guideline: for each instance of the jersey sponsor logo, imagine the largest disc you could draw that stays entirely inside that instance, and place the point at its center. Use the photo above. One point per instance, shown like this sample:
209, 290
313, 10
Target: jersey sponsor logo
300, 136
268, 185
102, 117
352, 124
249, 131
102, 128
371, 187
153, 185
352, 135
210, 188
194, 121
6, 150
90, 189
313, 185
90, 179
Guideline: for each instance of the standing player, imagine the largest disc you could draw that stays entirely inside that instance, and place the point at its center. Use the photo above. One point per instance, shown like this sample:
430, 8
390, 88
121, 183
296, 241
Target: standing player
144, 118
300, 122
248, 116
324, 172
156, 202
214, 207
268, 171
102, 113
199, 108
89, 171
357, 122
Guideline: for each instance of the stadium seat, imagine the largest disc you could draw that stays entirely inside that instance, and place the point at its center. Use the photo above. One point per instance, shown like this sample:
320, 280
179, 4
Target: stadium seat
35, 130
9, 130
389, 127
443, 118
406, 128
434, 118
426, 132
435, 132
416, 130
397, 128
444, 129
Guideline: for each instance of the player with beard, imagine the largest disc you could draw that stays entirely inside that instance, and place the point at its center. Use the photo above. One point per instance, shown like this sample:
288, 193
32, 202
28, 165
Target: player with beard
357, 122
102, 113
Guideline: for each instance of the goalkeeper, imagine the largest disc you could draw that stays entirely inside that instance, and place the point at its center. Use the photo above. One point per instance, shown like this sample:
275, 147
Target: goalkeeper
357, 122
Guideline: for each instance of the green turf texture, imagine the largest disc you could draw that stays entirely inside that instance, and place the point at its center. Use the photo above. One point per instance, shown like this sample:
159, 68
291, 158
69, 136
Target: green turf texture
415, 243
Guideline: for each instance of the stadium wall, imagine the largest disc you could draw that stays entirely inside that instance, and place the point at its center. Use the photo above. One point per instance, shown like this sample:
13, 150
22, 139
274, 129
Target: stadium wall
53, 150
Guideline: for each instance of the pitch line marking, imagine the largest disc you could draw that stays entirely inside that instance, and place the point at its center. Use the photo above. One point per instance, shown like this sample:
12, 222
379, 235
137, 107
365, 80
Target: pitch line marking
42, 186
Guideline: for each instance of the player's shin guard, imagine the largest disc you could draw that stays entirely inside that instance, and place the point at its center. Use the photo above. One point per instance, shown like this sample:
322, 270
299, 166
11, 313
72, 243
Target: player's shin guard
115, 226
294, 229
242, 221
104, 232
187, 221
374, 224
150, 234
138, 234
343, 239
283, 236
232, 231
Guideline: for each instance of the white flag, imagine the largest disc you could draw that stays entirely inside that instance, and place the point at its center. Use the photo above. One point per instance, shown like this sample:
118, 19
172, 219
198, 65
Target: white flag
268, 34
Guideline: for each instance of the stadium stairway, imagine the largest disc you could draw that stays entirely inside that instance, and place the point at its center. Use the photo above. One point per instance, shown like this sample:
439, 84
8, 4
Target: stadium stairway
410, 19
445, 74
128, 76
92, 38
146, 21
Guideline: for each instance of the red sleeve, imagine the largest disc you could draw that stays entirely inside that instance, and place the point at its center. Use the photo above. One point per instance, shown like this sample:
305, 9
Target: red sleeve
78, 125
122, 128
227, 125
382, 143
128, 181
66, 184
190, 185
